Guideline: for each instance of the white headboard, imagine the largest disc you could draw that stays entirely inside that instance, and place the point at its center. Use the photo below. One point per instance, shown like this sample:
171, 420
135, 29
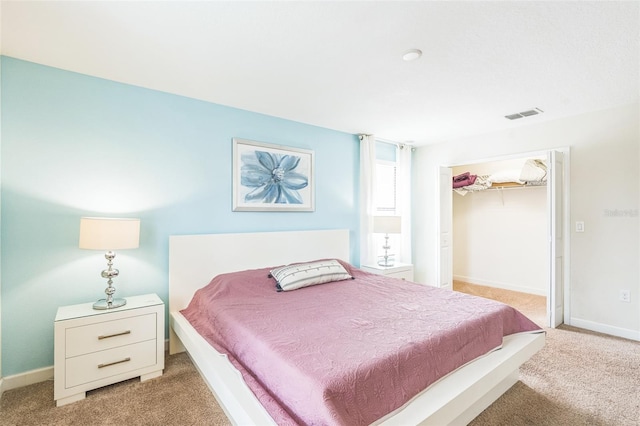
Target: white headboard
195, 259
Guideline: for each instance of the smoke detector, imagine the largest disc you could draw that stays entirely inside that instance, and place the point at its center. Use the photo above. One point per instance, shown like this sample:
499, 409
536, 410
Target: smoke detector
411, 55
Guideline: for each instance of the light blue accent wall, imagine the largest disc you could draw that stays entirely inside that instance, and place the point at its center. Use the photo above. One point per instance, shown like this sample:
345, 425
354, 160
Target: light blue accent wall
0, 212
74, 145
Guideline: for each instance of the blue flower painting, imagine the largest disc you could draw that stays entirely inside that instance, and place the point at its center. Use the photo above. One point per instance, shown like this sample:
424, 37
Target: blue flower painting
272, 177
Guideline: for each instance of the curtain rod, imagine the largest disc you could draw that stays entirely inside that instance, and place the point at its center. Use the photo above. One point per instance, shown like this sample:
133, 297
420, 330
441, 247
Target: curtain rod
398, 144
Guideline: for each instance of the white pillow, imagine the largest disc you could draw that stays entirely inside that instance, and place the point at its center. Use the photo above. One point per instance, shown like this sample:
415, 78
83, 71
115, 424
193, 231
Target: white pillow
299, 275
505, 176
534, 171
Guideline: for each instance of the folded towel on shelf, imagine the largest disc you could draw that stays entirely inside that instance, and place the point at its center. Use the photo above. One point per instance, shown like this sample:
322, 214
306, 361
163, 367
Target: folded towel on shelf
464, 179
480, 183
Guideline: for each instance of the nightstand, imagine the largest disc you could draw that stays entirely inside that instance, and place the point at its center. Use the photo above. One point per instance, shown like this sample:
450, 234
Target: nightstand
95, 348
398, 270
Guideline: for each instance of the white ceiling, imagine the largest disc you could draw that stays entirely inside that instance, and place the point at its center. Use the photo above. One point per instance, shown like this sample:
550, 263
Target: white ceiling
338, 64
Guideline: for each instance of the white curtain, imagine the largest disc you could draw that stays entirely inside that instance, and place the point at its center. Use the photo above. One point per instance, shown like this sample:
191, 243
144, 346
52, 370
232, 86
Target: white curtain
403, 200
367, 198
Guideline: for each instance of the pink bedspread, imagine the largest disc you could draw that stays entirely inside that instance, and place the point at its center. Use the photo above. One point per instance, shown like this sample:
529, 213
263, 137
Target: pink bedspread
347, 352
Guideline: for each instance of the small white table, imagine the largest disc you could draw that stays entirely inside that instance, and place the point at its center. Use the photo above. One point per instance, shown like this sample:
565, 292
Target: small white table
403, 271
95, 348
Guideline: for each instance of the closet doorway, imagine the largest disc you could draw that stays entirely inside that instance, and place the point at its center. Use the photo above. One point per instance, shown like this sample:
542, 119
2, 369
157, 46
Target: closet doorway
506, 234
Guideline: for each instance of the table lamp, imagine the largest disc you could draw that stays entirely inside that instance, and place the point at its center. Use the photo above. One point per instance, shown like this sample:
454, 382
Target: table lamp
101, 233
386, 225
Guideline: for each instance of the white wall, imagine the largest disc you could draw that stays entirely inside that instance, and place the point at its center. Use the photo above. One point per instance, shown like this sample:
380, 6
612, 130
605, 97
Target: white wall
500, 235
605, 186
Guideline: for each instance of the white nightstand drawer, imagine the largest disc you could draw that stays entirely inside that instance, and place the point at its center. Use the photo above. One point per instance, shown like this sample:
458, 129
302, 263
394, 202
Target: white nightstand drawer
403, 275
109, 334
95, 366
402, 271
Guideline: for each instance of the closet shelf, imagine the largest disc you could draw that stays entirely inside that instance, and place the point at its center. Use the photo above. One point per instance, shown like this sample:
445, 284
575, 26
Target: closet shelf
533, 173
514, 185
500, 186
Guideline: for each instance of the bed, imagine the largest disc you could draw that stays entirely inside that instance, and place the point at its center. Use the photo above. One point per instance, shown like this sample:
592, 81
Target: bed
195, 260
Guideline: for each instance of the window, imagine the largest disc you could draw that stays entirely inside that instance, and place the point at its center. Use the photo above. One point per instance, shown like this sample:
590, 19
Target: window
385, 195
385, 187
386, 157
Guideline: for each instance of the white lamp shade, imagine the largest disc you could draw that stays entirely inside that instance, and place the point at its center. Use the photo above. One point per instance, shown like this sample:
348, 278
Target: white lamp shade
386, 224
101, 233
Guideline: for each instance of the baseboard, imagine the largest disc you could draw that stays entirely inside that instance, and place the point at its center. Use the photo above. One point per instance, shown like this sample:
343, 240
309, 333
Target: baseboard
26, 379
606, 329
503, 286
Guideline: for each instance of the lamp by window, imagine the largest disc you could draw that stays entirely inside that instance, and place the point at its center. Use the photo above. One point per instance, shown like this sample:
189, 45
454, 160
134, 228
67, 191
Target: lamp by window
101, 233
386, 225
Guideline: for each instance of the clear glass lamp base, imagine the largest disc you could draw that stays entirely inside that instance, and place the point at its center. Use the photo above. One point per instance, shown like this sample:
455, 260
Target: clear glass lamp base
115, 303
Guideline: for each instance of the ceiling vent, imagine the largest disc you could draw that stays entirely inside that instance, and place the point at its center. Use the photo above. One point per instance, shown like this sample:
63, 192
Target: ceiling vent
522, 114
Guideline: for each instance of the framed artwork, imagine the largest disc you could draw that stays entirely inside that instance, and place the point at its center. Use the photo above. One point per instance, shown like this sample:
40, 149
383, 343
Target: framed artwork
270, 177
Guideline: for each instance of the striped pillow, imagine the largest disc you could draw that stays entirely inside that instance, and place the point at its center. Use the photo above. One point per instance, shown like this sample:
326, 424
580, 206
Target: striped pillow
299, 275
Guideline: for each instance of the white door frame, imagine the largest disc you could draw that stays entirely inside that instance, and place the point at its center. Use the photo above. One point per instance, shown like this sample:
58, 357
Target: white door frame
445, 229
440, 274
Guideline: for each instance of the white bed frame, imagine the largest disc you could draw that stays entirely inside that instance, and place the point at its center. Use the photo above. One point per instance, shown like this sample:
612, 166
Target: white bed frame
195, 259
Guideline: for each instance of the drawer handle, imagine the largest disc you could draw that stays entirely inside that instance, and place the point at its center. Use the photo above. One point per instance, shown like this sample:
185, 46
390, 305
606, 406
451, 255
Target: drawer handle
114, 335
127, 359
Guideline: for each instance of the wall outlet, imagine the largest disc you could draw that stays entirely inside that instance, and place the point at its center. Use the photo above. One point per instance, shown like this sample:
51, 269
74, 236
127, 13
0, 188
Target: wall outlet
625, 296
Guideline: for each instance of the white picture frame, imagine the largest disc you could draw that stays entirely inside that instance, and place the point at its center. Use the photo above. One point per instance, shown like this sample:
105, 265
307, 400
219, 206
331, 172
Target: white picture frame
272, 178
